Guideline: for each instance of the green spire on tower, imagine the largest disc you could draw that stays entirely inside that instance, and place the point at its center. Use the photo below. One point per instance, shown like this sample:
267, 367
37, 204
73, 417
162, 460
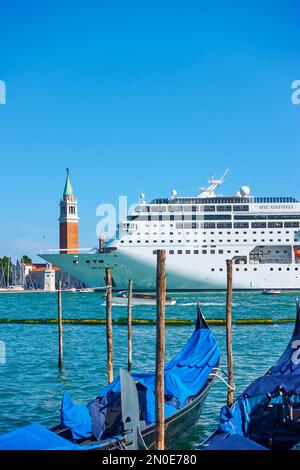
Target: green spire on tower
68, 191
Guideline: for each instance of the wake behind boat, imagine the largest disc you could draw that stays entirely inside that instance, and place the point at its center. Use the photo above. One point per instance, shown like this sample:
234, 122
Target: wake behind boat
139, 299
123, 414
267, 414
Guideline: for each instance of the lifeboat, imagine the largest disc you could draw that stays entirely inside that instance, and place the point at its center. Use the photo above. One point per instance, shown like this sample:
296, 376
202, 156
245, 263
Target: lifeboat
297, 253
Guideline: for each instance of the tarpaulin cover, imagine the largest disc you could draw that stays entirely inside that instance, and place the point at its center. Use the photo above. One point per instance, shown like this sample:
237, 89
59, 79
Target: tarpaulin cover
37, 437
233, 442
285, 373
76, 417
283, 376
185, 375
34, 437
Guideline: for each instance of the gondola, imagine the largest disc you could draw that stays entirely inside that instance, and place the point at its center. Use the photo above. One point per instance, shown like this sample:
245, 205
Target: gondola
123, 415
266, 416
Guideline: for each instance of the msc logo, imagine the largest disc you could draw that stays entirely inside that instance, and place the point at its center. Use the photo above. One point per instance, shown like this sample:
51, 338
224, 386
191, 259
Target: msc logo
2, 92
296, 94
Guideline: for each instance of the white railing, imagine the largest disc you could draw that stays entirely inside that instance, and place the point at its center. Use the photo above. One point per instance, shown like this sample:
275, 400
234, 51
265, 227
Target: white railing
66, 250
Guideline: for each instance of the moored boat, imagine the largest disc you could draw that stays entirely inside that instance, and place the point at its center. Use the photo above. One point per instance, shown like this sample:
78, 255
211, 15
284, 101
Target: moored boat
271, 291
139, 299
103, 424
267, 414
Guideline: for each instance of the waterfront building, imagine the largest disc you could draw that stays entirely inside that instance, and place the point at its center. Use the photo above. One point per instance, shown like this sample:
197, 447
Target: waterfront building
41, 276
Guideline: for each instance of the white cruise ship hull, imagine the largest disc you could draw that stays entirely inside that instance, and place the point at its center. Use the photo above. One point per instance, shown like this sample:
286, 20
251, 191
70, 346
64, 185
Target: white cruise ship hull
199, 272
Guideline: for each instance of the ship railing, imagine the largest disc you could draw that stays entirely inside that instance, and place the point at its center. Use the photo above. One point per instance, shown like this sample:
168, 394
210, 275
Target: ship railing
74, 251
271, 261
57, 251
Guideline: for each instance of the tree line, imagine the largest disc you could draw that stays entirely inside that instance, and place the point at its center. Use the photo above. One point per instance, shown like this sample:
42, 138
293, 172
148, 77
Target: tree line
6, 269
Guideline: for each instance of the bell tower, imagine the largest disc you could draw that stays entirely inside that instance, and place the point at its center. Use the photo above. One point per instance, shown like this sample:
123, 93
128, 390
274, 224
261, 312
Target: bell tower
68, 220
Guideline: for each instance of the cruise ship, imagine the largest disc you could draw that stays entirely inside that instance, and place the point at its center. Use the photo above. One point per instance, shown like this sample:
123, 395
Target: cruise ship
260, 234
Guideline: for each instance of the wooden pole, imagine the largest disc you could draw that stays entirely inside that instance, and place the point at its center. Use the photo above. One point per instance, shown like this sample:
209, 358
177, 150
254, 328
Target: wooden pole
60, 327
229, 332
109, 332
129, 315
160, 349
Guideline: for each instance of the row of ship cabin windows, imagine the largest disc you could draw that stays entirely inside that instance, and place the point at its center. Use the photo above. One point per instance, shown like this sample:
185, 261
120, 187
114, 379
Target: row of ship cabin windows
193, 208
262, 232
270, 232
220, 226
197, 252
213, 233
255, 269
255, 240
212, 223
212, 252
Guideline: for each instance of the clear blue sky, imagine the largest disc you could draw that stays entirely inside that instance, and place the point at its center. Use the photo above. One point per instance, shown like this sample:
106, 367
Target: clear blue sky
141, 96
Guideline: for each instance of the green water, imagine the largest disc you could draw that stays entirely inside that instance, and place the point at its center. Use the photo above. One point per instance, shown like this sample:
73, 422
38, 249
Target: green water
31, 386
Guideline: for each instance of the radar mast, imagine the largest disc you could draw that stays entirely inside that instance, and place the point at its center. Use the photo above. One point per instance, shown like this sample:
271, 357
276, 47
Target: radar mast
213, 184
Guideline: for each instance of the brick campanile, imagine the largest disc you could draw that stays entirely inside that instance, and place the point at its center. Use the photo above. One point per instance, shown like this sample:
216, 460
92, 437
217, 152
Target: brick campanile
68, 220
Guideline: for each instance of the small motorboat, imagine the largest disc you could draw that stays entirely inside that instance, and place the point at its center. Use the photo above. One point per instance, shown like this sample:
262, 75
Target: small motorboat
271, 291
123, 414
85, 290
266, 416
139, 299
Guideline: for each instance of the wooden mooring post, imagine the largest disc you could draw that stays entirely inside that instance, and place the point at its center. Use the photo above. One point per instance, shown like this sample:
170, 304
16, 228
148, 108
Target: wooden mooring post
160, 349
60, 327
229, 333
129, 317
109, 331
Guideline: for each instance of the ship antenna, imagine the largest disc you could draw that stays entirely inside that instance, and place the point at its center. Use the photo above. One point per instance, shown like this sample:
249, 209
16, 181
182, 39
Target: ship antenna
213, 184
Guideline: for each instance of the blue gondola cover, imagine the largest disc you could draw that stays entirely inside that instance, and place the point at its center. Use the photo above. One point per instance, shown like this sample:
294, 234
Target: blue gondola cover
34, 437
254, 413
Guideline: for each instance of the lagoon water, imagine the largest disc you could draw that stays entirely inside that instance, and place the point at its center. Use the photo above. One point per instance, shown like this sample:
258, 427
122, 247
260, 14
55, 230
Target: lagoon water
31, 386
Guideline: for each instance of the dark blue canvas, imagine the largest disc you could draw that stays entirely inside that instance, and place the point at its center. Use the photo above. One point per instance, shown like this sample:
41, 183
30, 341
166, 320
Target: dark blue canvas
233, 442
263, 410
185, 375
34, 437
76, 417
